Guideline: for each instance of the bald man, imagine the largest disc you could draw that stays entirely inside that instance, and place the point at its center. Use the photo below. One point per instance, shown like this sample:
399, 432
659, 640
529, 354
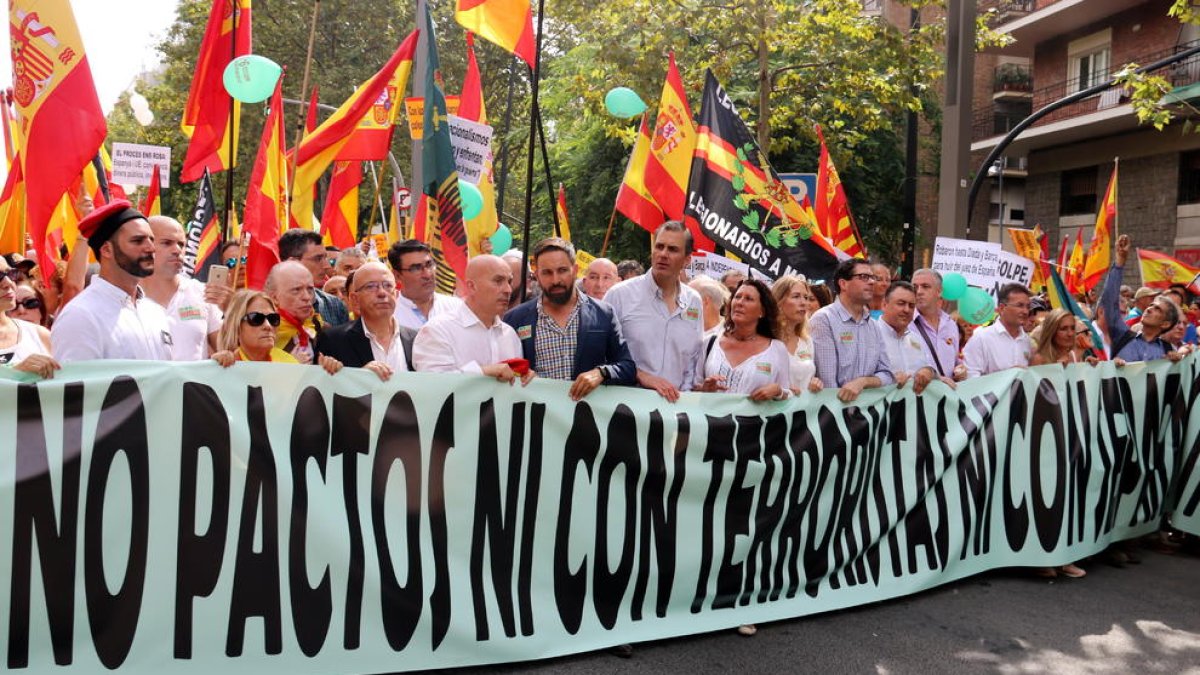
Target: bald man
601, 275
471, 338
194, 319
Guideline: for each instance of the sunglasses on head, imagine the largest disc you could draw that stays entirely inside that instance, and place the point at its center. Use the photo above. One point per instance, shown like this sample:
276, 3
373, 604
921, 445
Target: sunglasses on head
256, 319
13, 274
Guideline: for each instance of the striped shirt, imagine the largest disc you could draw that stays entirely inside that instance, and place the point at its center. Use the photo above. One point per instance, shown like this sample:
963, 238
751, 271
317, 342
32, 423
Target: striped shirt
554, 346
846, 349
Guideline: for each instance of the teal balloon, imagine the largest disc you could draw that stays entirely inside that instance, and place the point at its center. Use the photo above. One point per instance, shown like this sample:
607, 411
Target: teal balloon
501, 239
624, 102
472, 200
954, 285
976, 307
251, 78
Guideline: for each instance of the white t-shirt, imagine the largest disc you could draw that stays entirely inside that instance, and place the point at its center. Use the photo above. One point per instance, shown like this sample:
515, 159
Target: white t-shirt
103, 322
772, 364
192, 320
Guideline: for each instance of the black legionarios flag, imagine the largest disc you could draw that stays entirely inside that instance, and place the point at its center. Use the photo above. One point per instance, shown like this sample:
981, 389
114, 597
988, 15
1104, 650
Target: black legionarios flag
739, 201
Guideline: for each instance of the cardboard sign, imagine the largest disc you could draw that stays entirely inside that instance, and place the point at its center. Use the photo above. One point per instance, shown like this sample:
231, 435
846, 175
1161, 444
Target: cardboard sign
133, 164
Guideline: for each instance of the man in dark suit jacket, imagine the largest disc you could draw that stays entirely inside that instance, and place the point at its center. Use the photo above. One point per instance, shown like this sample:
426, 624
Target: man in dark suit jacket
577, 337
374, 340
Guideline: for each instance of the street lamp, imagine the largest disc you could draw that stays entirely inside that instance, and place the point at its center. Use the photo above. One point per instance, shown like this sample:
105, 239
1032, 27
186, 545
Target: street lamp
996, 170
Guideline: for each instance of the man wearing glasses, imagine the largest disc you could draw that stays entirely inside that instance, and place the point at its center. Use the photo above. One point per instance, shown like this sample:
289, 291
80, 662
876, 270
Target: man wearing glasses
415, 274
305, 247
375, 340
1004, 344
849, 352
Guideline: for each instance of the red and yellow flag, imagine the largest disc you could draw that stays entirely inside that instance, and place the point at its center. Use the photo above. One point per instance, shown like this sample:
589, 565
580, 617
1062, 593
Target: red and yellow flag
634, 200
319, 148
508, 23
671, 148
339, 222
560, 208
301, 213
1160, 270
1099, 253
832, 209
152, 204
471, 108
12, 211
1028, 244
57, 110
211, 116
1075, 265
266, 201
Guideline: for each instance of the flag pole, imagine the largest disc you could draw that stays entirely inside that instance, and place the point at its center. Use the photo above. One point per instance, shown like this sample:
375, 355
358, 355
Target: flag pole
504, 147
312, 36
534, 126
608, 233
375, 201
233, 121
549, 181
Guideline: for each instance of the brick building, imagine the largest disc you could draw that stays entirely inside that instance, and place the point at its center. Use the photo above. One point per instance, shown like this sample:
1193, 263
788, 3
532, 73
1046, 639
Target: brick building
1055, 172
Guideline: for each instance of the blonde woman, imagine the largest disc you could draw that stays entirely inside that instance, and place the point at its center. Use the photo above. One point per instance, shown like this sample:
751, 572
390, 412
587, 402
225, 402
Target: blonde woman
795, 300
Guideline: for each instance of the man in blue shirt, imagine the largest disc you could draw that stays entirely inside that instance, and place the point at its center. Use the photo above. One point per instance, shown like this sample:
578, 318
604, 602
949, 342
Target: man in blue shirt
1157, 318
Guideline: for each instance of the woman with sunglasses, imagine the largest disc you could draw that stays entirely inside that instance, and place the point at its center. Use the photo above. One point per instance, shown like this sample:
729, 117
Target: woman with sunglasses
248, 333
24, 346
30, 305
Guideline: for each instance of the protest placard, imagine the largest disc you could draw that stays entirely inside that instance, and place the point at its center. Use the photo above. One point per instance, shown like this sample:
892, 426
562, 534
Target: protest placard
472, 143
133, 164
975, 260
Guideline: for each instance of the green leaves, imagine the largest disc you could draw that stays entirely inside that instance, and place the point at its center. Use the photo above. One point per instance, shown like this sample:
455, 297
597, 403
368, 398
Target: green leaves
751, 221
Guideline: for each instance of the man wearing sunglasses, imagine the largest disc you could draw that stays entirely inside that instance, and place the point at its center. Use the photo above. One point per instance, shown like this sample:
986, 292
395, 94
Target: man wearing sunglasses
375, 340
415, 274
111, 318
194, 321
848, 349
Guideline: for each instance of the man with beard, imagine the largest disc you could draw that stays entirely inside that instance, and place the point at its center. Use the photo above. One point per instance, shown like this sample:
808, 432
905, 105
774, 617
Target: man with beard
111, 318
194, 320
566, 335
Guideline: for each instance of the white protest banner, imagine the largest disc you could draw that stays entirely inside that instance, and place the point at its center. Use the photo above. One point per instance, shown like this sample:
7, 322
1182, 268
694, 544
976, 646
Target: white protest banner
133, 164
472, 143
716, 266
975, 260
1010, 269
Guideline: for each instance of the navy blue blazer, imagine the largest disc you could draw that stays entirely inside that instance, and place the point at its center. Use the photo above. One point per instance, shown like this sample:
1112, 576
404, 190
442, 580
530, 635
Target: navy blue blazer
349, 344
599, 344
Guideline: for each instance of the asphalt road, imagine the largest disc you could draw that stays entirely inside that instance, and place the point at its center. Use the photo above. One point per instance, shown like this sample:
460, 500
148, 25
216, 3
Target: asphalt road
1140, 619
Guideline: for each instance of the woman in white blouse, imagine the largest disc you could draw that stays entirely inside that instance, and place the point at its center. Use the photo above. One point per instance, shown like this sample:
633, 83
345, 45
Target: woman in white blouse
747, 358
24, 346
795, 300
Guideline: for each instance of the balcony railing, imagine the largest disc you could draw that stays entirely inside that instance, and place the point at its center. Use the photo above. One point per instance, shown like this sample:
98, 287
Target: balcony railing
1007, 10
994, 121
1012, 77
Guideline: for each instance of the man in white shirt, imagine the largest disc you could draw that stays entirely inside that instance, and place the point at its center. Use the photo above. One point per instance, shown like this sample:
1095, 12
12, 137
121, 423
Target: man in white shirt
111, 319
416, 275
904, 351
662, 319
194, 321
1004, 344
375, 340
471, 338
935, 328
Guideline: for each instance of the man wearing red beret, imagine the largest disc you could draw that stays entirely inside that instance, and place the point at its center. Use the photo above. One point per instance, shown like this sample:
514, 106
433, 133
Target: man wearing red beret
110, 319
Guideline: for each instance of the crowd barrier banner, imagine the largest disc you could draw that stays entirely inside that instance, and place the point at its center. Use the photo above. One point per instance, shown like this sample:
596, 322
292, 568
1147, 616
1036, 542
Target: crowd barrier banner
164, 518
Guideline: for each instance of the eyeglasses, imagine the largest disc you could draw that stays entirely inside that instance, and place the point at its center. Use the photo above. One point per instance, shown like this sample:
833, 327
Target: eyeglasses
864, 277
256, 319
30, 303
233, 262
418, 268
375, 286
13, 274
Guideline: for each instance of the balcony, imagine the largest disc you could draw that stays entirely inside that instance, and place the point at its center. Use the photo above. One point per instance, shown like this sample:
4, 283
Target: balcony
1012, 82
1106, 113
1007, 10
1052, 20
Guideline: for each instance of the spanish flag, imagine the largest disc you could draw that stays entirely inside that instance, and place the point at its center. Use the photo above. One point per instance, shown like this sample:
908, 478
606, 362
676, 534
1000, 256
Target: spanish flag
1160, 270
152, 204
1075, 265
508, 23
206, 116
832, 209
674, 142
634, 200
12, 211
301, 213
1028, 244
339, 222
319, 148
471, 108
59, 115
267, 203
1099, 253
560, 208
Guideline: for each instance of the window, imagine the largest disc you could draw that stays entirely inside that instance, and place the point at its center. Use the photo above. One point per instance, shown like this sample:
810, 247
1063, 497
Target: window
1189, 177
1078, 195
1089, 60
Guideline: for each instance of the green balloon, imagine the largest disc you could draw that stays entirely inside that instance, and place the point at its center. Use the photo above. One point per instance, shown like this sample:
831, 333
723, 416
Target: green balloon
954, 285
472, 199
976, 307
624, 102
251, 78
501, 239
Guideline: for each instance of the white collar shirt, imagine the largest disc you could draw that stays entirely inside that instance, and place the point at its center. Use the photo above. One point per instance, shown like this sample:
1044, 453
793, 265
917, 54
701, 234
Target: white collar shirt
393, 356
993, 349
410, 316
904, 349
192, 320
103, 322
945, 340
667, 343
458, 342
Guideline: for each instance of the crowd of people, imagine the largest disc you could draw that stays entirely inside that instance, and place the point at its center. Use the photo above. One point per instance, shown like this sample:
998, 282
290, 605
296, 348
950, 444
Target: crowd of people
613, 325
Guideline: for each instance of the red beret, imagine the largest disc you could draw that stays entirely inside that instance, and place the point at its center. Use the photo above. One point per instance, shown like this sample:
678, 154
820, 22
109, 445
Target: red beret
100, 225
